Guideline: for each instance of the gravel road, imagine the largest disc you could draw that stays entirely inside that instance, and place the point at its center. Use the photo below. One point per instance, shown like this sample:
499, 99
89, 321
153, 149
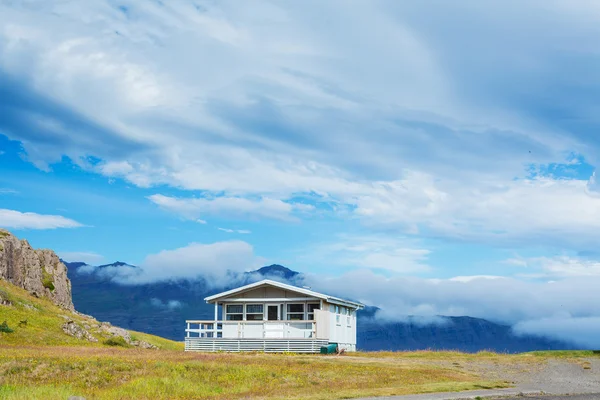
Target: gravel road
548, 380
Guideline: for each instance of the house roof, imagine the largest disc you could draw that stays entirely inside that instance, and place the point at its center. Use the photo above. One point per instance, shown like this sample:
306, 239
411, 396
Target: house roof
310, 293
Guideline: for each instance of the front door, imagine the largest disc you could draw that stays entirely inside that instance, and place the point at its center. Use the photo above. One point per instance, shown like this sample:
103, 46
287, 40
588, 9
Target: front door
272, 313
273, 329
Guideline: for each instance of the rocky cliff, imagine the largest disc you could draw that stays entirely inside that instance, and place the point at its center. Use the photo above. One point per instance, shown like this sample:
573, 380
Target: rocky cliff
40, 272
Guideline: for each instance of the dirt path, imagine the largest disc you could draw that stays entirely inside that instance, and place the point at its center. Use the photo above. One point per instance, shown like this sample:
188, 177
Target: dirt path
543, 377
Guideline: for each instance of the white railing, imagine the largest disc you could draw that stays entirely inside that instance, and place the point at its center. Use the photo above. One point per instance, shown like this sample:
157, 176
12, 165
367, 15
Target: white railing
251, 329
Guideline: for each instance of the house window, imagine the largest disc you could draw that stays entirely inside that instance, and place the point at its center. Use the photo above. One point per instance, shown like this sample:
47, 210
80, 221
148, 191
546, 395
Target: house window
234, 312
295, 312
255, 312
311, 310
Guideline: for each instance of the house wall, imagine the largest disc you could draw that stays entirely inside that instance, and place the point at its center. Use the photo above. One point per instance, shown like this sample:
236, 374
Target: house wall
342, 327
268, 292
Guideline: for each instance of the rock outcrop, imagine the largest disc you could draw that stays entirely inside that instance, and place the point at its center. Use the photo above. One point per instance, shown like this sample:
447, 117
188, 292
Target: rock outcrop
73, 329
40, 272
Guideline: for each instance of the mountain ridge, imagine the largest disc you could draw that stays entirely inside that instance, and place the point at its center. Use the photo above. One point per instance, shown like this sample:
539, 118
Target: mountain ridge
163, 307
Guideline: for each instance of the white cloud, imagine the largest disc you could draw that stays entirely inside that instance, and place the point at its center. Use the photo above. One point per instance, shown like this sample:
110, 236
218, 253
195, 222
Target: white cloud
584, 331
8, 191
28, 220
226, 206
504, 300
380, 252
83, 256
470, 278
217, 263
428, 142
240, 231
539, 210
557, 267
169, 304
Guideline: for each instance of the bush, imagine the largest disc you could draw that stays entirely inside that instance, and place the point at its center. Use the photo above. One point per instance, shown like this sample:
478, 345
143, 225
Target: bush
47, 280
5, 328
116, 341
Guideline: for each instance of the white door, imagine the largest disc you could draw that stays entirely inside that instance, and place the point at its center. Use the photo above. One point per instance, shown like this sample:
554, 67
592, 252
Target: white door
322, 320
273, 326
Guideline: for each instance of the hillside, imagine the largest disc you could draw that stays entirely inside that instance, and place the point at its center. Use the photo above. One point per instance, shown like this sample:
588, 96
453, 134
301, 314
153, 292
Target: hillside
36, 306
36, 321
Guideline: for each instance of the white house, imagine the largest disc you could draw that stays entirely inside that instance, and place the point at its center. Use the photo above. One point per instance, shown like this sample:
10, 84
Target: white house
274, 317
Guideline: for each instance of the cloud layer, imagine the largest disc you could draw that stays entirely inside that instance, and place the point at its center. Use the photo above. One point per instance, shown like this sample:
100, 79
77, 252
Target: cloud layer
13, 219
563, 309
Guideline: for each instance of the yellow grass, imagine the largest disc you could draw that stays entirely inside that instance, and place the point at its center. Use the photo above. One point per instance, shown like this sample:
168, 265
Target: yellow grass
115, 373
39, 360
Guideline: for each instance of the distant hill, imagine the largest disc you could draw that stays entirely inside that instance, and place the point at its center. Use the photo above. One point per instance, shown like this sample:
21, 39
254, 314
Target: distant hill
161, 308
449, 333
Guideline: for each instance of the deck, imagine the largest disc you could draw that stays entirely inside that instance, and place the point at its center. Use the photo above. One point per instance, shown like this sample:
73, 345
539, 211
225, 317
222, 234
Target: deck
267, 336
265, 345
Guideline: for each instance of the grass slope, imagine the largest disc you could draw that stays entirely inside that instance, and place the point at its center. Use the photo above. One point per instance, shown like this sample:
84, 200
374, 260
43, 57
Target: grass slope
45, 320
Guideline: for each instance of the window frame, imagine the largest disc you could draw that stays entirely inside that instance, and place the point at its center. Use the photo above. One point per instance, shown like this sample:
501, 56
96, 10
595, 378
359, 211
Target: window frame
227, 313
309, 312
261, 314
302, 314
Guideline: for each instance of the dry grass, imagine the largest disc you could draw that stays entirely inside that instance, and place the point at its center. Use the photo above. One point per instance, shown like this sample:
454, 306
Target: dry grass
111, 373
39, 360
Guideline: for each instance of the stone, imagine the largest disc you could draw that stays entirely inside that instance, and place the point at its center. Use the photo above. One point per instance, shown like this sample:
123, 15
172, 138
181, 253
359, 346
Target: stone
40, 272
71, 328
116, 331
143, 345
29, 307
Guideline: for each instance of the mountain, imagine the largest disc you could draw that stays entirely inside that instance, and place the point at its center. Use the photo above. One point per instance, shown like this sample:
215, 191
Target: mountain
161, 308
277, 271
465, 334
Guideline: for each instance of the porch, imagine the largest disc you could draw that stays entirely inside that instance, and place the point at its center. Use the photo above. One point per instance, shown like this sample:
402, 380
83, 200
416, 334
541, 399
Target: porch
265, 345
305, 329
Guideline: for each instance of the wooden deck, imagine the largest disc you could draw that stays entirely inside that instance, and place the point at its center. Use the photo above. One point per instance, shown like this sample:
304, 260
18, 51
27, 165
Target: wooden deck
251, 329
208, 344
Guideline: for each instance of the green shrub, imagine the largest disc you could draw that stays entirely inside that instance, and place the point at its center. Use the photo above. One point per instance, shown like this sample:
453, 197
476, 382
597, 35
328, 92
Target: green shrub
47, 280
5, 328
116, 341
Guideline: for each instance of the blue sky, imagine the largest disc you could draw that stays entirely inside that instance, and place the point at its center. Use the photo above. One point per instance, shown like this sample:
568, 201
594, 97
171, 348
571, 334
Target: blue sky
437, 141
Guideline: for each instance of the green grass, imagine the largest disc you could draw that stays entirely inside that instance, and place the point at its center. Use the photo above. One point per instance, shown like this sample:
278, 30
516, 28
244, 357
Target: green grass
566, 353
45, 320
116, 341
5, 328
47, 280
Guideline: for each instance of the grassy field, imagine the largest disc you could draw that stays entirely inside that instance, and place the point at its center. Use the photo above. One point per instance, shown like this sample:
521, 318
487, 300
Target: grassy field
39, 361
115, 373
